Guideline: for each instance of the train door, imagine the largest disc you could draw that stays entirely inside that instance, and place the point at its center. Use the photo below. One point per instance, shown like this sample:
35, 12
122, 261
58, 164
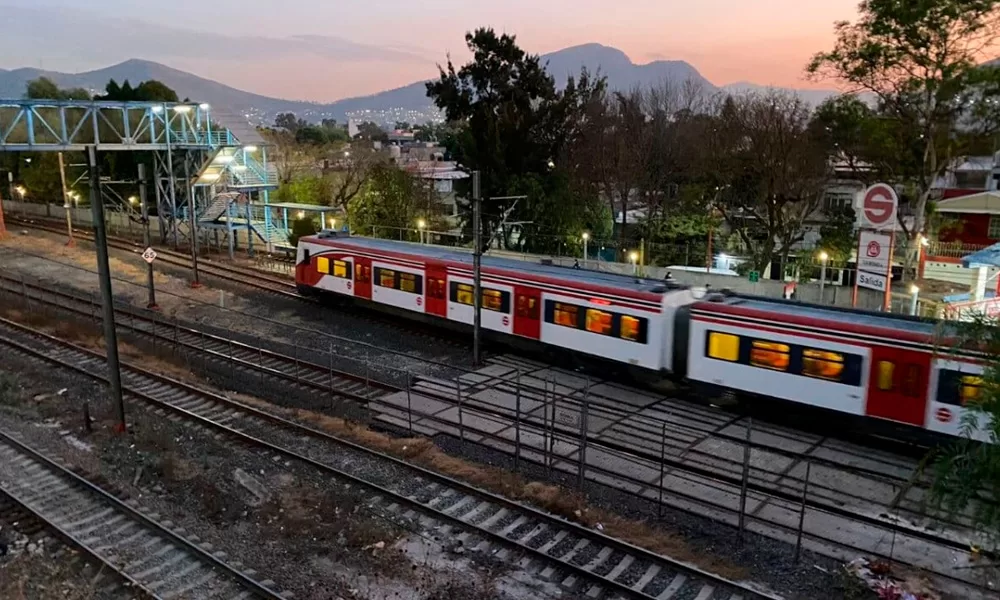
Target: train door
436, 291
527, 312
363, 277
897, 385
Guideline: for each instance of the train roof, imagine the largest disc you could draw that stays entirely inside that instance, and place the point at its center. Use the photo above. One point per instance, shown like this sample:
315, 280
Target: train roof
832, 316
566, 274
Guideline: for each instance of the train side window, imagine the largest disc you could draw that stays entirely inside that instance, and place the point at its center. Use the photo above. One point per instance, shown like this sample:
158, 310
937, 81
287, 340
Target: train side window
340, 269
822, 364
723, 346
408, 282
462, 293
493, 300
566, 315
527, 306
386, 278
630, 328
322, 265
886, 375
769, 355
598, 321
435, 288
970, 389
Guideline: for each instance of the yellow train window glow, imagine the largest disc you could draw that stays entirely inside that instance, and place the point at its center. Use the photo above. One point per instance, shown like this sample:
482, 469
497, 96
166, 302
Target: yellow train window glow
970, 389
598, 321
493, 300
464, 294
408, 282
885, 375
722, 346
322, 264
340, 269
630, 328
565, 315
822, 364
387, 278
769, 355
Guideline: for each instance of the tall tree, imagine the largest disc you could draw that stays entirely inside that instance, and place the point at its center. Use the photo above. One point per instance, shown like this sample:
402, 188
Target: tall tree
517, 121
44, 88
921, 60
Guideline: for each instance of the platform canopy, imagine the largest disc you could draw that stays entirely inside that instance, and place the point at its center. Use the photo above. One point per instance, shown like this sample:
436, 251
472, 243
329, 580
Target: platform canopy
987, 257
983, 203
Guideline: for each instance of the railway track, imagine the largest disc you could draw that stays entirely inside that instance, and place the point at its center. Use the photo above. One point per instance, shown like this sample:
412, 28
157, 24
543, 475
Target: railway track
300, 372
156, 560
578, 558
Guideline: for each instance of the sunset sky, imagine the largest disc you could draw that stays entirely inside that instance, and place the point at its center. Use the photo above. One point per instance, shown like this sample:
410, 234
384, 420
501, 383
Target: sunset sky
325, 50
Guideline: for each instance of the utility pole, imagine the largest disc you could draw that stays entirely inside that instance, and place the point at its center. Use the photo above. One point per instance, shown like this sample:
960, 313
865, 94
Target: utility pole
193, 213
66, 202
3, 226
145, 236
107, 300
477, 257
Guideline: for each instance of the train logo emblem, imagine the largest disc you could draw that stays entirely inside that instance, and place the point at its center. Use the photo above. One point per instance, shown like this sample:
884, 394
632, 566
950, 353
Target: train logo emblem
879, 206
506, 321
874, 249
420, 301
943, 415
349, 284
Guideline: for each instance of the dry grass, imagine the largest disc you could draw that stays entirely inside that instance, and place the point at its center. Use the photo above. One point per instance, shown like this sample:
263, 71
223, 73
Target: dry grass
38, 577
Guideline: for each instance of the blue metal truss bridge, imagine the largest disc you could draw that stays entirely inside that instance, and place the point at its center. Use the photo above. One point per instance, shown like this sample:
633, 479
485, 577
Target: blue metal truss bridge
200, 155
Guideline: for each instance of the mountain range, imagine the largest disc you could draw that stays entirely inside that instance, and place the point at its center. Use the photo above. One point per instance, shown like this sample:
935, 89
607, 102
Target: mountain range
615, 65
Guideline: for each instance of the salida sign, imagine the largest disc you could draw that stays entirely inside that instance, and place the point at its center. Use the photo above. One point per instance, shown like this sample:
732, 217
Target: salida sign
874, 252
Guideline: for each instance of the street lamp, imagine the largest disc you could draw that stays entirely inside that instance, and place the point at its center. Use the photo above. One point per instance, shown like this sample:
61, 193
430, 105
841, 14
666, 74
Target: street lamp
634, 257
914, 297
21, 191
420, 229
585, 236
333, 223
823, 257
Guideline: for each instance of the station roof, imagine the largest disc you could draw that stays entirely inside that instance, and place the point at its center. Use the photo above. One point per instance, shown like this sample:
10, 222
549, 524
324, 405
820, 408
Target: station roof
984, 203
987, 257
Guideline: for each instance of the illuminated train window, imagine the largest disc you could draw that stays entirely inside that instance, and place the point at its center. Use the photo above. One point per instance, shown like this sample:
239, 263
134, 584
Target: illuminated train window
723, 346
598, 321
436, 288
527, 307
362, 274
340, 269
631, 328
957, 388
386, 278
885, 378
322, 264
566, 315
822, 364
769, 355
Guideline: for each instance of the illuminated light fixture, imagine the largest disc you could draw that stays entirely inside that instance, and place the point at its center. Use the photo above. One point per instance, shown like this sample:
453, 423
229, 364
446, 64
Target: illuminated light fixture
222, 158
633, 256
157, 109
585, 236
249, 148
924, 241
823, 256
211, 176
421, 223
302, 214
182, 108
238, 167
132, 199
914, 289
333, 223
204, 106
601, 301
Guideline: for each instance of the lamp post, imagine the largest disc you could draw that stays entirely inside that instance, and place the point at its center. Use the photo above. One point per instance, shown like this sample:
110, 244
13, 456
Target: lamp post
921, 248
421, 224
914, 297
634, 257
66, 201
823, 257
586, 237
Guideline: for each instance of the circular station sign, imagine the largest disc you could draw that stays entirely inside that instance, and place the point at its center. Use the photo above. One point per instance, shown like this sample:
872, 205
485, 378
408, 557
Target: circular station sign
944, 415
878, 208
506, 321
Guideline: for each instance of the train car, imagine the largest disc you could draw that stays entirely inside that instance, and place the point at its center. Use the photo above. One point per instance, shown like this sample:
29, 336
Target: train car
870, 366
614, 317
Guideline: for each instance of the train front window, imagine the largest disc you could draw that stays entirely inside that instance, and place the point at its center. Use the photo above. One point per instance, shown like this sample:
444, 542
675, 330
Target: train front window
322, 264
769, 355
822, 364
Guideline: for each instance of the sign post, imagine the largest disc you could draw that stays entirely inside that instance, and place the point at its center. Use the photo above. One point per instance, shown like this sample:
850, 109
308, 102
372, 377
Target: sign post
874, 262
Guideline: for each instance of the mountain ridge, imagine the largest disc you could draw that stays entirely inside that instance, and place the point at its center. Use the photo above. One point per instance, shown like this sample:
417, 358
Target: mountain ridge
621, 72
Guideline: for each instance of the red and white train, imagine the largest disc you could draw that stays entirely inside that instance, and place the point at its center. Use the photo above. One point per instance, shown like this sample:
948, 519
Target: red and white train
868, 365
